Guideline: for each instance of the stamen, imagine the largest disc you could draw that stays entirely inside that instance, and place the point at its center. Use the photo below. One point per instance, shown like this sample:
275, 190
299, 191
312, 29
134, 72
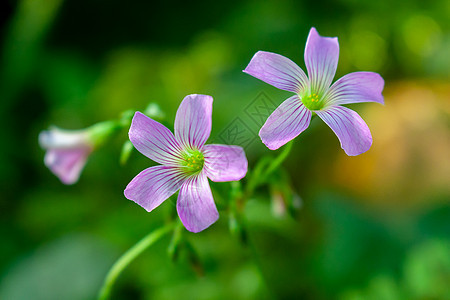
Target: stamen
312, 101
192, 162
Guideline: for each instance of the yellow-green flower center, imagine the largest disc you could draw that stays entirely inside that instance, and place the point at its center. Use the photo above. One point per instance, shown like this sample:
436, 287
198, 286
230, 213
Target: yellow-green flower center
313, 101
193, 161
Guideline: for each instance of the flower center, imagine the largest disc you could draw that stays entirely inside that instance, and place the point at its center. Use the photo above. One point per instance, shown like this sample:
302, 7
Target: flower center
193, 161
313, 102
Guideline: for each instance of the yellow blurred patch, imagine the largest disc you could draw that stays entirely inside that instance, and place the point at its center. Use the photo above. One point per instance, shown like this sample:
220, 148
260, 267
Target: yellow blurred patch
409, 162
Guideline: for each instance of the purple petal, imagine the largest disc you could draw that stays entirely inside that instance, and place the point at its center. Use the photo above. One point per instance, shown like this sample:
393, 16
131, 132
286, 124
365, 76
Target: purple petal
67, 164
351, 130
321, 59
224, 163
154, 185
193, 121
289, 120
356, 87
277, 70
154, 140
195, 204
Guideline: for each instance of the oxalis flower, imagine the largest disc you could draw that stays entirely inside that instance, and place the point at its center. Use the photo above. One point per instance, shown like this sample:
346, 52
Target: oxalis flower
186, 163
68, 150
313, 94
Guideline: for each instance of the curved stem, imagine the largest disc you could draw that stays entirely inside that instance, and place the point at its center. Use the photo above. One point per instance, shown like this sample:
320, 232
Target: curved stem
129, 256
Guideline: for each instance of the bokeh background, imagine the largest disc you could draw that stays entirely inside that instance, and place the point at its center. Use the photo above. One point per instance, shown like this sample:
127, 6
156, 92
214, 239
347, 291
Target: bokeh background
328, 226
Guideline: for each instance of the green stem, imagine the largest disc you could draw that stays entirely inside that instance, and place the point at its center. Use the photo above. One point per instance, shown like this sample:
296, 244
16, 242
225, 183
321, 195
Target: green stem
259, 175
254, 178
177, 237
129, 256
279, 159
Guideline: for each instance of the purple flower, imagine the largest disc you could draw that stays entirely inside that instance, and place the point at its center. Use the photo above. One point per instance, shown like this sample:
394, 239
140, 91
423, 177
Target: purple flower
186, 163
67, 152
313, 94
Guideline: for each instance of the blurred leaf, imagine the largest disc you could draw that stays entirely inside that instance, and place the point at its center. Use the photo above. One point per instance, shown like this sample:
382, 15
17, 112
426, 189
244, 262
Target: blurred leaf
127, 149
154, 111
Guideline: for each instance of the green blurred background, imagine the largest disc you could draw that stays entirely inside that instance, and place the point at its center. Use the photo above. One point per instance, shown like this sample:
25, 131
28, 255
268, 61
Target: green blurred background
375, 226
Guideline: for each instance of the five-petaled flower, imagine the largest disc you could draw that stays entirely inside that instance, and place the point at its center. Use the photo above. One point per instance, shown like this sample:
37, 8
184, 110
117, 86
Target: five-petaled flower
186, 163
313, 94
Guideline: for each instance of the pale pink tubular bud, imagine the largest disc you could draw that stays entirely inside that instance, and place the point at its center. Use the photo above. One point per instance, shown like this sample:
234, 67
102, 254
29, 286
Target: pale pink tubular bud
68, 150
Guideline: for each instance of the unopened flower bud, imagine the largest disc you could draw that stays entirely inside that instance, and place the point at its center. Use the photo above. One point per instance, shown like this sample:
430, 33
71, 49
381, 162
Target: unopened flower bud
68, 150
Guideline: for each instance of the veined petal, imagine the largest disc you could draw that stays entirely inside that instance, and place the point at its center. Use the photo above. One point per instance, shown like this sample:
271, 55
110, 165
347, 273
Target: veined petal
67, 164
224, 163
154, 140
321, 59
154, 185
289, 120
356, 87
193, 120
195, 205
350, 129
277, 70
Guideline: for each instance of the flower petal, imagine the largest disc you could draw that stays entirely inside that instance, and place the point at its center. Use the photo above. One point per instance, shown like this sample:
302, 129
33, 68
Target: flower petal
154, 185
193, 120
63, 139
356, 87
195, 204
67, 164
225, 163
277, 70
154, 140
289, 120
321, 59
351, 130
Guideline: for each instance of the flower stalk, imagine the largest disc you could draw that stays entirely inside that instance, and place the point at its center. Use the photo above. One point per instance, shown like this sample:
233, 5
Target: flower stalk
129, 256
